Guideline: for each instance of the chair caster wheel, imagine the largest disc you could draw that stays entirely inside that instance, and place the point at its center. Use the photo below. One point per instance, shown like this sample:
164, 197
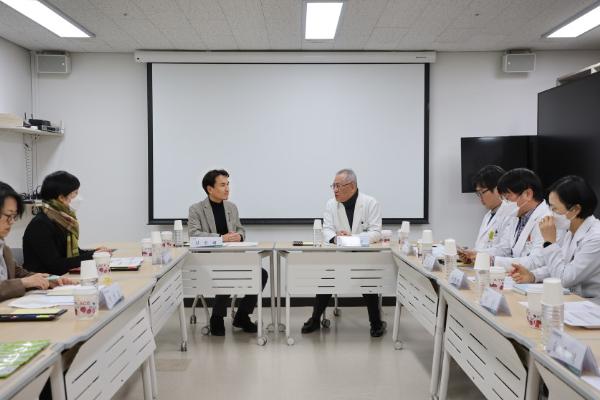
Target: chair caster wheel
281, 328
262, 340
193, 320
326, 323
398, 345
290, 341
337, 312
183, 346
205, 330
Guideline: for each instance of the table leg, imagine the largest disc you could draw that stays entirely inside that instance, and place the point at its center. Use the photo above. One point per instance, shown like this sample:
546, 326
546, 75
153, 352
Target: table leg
445, 376
532, 390
280, 327
57, 381
272, 326
153, 378
146, 380
182, 326
438, 344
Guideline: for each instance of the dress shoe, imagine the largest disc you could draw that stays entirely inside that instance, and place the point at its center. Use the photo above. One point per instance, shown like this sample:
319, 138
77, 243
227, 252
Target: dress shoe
243, 322
217, 326
378, 328
311, 325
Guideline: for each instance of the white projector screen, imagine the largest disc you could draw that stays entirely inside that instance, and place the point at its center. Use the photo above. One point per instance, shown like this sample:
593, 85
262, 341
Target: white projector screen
282, 131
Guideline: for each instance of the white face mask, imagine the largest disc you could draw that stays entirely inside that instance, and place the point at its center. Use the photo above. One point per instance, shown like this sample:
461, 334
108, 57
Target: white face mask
75, 203
561, 221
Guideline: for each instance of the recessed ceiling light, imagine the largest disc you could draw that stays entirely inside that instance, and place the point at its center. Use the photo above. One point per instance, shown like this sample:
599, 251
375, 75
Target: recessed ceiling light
48, 17
579, 26
322, 20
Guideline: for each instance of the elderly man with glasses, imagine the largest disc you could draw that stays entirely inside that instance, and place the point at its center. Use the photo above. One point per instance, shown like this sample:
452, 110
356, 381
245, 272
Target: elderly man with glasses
350, 212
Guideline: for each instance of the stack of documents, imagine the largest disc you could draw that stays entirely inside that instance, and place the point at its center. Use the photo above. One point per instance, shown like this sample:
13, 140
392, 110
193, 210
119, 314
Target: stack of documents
582, 313
41, 301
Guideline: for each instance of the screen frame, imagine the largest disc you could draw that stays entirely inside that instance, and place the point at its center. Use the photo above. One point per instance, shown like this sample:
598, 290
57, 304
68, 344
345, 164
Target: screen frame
289, 221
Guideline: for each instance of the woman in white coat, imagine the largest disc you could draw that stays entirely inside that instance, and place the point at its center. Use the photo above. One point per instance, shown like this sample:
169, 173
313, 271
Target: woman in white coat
574, 258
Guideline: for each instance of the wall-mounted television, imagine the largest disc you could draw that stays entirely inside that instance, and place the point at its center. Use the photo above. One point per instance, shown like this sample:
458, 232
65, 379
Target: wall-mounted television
507, 152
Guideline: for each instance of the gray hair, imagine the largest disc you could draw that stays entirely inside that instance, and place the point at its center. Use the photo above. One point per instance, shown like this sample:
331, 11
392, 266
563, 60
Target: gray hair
350, 175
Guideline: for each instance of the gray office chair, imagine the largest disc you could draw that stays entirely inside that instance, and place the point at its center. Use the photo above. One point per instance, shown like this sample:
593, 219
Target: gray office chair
17, 255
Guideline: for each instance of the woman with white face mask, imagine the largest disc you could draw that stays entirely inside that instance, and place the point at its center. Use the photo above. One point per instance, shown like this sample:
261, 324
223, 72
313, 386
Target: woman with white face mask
51, 240
574, 258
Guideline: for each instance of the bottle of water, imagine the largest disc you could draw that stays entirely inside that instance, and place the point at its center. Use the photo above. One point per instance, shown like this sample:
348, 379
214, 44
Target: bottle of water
317, 233
552, 318
449, 264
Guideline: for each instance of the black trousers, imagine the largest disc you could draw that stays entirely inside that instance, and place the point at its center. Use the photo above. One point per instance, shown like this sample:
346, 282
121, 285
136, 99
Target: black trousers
372, 300
247, 304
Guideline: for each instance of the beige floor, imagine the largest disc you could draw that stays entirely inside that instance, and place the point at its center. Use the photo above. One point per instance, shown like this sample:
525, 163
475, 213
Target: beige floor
343, 362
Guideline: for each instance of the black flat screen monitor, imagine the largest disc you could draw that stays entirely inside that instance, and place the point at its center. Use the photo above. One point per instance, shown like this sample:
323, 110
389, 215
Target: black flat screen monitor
507, 152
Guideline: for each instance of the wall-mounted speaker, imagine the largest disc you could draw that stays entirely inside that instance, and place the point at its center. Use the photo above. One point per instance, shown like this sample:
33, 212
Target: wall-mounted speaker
59, 63
518, 62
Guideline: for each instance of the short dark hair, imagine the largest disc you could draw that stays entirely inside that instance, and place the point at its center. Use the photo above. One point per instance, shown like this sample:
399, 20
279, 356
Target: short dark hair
487, 177
211, 177
58, 183
519, 180
572, 190
7, 191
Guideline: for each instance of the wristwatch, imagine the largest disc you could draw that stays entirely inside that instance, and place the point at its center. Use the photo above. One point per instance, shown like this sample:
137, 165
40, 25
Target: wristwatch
546, 244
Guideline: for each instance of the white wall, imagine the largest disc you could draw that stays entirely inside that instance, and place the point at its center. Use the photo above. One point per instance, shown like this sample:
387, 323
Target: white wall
103, 105
15, 98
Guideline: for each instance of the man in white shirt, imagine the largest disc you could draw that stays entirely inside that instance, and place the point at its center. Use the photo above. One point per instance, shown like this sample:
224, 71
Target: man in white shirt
350, 212
495, 222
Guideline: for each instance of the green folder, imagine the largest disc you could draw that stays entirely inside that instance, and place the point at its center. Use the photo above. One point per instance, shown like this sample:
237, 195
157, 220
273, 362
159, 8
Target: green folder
15, 354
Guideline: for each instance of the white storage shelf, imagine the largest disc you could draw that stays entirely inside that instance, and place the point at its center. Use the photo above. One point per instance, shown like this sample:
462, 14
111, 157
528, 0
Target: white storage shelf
29, 131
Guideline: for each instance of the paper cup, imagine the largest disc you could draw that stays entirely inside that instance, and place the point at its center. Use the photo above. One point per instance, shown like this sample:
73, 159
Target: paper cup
147, 247
167, 238
88, 273
482, 261
178, 225
553, 292
450, 247
534, 306
86, 302
497, 275
386, 237
405, 227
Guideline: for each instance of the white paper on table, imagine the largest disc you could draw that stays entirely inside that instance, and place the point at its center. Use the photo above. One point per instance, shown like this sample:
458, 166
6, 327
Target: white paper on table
472, 278
42, 301
64, 290
124, 262
524, 304
582, 313
240, 244
592, 380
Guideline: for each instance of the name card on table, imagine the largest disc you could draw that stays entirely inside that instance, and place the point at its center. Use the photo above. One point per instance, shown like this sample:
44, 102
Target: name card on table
110, 296
458, 279
430, 263
574, 354
209, 241
347, 241
494, 302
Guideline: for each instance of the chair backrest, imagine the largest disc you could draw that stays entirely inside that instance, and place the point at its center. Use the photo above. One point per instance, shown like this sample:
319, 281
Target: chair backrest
17, 255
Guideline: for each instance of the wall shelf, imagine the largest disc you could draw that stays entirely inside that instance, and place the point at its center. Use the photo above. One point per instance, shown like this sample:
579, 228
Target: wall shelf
29, 131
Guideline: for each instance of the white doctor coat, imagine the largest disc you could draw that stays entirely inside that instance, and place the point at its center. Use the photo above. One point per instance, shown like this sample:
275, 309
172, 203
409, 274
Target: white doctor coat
367, 218
575, 260
493, 228
527, 249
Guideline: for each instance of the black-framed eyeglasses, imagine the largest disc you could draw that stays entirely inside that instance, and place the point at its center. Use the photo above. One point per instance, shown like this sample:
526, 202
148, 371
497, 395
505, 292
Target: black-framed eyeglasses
11, 217
338, 186
480, 193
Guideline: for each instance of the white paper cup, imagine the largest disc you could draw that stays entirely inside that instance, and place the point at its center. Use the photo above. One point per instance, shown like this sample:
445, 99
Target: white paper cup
167, 238
86, 302
553, 292
386, 237
405, 227
450, 247
482, 261
497, 275
178, 225
317, 224
102, 260
88, 273
147, 247
534, 306
427, 236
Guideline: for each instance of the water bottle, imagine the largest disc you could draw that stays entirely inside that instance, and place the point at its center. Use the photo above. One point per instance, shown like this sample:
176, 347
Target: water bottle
553, 309
156, 248
450, 256
552, 318
317, 233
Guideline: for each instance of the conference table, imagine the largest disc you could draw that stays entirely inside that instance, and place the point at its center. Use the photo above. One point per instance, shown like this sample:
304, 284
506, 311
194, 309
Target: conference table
501, 354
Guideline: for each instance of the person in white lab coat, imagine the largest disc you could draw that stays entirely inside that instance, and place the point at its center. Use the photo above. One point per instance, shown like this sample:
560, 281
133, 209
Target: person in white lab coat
522, 241
496, 220
350, 212
574, 259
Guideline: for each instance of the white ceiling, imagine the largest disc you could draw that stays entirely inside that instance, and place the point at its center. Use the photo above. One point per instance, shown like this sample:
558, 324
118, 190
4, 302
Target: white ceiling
443, 25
